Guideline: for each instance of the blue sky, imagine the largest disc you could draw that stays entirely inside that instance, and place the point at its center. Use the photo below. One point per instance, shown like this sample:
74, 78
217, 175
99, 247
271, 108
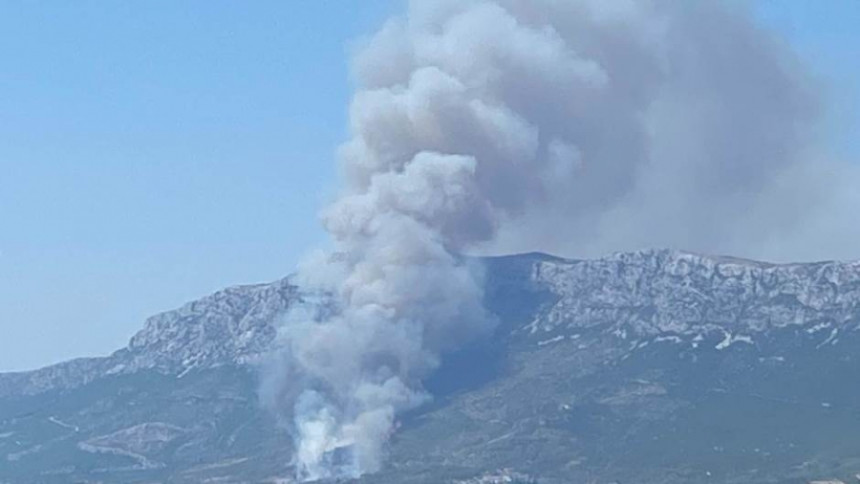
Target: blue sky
153, 152
825, 35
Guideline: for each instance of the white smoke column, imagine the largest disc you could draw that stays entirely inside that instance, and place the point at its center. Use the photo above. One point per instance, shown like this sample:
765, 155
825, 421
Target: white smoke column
436, 156
400, 298
542, 121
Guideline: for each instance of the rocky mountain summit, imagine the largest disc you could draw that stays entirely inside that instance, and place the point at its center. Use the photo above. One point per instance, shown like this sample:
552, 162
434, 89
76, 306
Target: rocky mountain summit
652, 366
671, 296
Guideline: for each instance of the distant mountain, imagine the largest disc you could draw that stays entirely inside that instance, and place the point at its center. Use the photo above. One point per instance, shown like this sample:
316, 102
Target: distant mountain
649, 367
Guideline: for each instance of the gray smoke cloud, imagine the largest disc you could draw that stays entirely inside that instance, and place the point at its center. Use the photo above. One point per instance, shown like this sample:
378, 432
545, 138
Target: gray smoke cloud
575, 126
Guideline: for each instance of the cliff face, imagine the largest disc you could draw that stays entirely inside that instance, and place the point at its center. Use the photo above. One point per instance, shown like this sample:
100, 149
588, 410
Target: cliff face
657, 366
685, 296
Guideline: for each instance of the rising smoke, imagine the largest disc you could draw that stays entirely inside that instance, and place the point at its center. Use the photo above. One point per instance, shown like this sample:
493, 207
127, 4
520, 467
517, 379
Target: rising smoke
576, 126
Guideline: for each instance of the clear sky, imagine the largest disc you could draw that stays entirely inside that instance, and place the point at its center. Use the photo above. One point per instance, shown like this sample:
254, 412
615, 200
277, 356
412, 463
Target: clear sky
825, 34
153, 152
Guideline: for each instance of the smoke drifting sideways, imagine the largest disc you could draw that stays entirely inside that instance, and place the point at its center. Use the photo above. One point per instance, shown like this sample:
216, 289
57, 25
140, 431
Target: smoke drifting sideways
572, 126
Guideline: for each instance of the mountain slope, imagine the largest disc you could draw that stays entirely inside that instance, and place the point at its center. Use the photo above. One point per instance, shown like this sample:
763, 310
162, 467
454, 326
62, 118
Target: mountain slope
653, 366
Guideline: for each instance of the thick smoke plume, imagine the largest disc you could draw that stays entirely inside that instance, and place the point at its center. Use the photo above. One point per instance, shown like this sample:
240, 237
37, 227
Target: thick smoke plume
575, 126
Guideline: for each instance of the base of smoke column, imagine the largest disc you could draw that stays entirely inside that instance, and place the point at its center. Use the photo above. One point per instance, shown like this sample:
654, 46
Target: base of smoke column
337, 463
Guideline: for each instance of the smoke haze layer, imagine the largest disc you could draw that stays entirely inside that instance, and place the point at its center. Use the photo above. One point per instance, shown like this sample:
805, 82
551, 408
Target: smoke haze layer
577, 127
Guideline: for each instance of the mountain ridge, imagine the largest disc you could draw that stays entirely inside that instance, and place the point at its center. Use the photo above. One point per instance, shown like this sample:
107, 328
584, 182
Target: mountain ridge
253, 329
244, 314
